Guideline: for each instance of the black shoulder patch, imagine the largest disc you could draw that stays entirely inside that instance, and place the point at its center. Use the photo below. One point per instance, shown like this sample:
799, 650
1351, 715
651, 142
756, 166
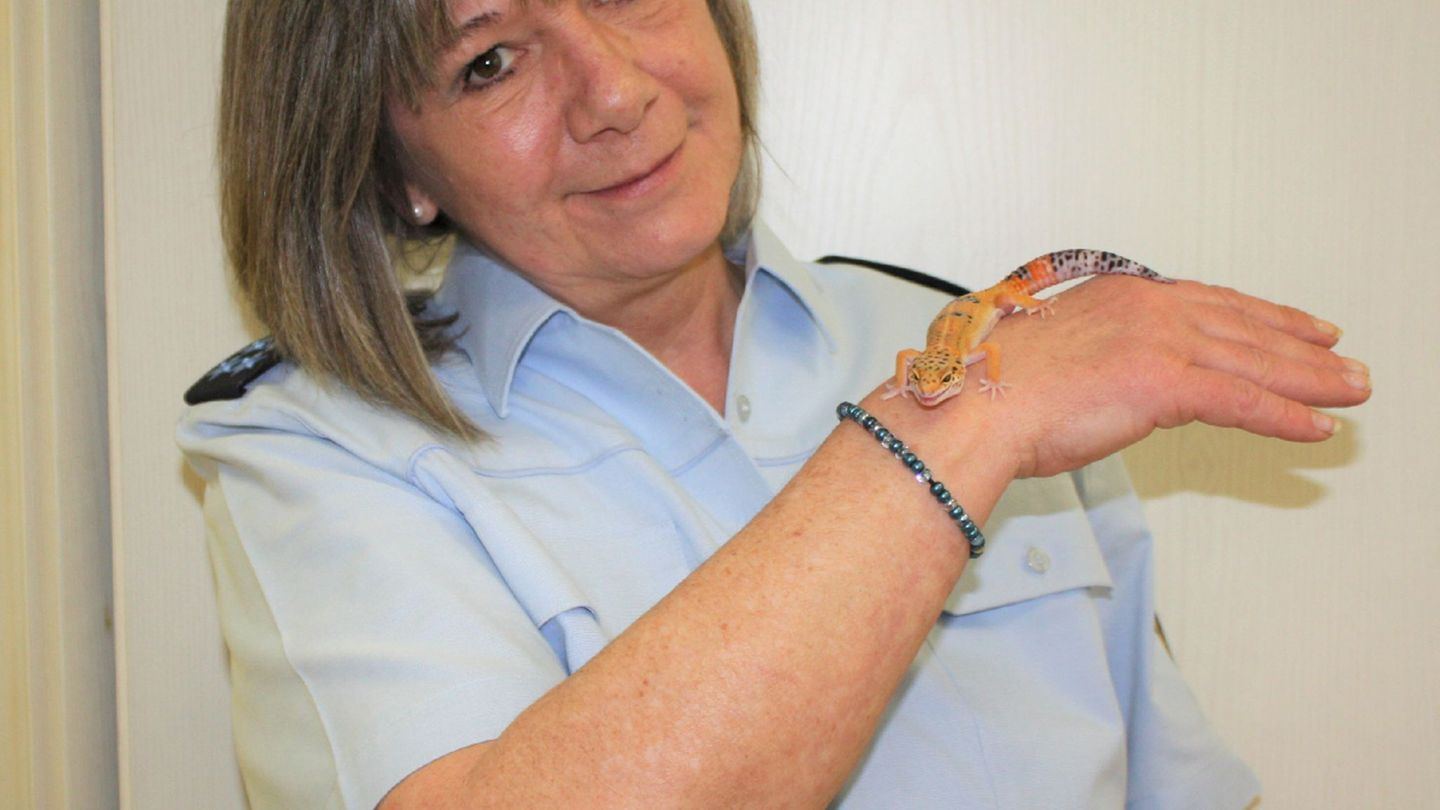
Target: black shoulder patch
913, 276
228, 380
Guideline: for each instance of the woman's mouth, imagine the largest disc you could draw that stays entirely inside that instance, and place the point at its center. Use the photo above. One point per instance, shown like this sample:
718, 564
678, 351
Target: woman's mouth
644, 182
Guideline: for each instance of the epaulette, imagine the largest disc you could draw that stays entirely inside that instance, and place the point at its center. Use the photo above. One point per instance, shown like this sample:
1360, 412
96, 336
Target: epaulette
913, 276
228, 380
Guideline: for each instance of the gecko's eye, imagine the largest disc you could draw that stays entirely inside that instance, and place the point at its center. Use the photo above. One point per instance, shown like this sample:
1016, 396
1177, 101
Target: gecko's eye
949, 378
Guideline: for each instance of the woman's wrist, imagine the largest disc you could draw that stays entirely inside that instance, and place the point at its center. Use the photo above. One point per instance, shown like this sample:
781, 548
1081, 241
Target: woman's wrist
915, 465
960, 445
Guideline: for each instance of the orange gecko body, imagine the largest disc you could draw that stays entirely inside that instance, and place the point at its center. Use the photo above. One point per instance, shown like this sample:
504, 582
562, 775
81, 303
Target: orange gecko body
957, 336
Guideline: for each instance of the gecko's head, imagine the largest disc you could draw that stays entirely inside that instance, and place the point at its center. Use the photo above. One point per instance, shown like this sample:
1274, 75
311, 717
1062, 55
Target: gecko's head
936, 375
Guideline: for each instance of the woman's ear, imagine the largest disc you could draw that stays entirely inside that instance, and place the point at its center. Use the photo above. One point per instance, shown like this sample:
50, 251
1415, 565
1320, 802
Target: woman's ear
423, 209
400, 171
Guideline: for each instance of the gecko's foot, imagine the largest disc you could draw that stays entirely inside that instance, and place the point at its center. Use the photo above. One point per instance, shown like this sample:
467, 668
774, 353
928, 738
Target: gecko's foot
994, 389
1045, 310
892, 390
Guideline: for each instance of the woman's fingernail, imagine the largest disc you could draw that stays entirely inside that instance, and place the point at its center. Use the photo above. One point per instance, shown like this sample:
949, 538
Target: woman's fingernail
1328, 328
1360, 381
1357, 375
1325, 423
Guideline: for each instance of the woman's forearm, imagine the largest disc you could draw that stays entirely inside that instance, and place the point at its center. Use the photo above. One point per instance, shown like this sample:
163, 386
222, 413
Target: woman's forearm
762, 677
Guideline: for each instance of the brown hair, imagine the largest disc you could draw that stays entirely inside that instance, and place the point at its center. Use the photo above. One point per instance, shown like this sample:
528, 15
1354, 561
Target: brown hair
313, 205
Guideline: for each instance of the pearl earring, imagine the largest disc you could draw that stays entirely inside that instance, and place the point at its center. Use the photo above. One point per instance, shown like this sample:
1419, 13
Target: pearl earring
419, 212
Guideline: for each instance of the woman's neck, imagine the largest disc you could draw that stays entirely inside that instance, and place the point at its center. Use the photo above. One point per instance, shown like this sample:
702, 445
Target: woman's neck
685, 319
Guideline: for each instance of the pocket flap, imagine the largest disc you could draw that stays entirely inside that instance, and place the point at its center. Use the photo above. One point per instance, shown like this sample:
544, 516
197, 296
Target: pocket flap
1029, 556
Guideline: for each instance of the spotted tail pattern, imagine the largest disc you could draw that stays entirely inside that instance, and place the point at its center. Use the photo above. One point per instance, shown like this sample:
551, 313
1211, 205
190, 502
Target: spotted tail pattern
1057, 268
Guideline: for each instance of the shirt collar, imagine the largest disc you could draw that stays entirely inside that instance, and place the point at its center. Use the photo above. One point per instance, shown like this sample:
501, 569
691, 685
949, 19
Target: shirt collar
500, 311
763, 251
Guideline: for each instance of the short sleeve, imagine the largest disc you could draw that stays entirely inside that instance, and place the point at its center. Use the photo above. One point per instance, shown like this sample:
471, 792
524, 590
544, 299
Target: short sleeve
1177, 761
368, 629
1175, 758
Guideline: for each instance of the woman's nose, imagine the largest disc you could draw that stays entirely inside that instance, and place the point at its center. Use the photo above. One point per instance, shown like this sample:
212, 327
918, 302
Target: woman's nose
610, 90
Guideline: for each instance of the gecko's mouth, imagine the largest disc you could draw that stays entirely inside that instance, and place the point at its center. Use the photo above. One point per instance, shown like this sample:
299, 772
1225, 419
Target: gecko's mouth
931, 400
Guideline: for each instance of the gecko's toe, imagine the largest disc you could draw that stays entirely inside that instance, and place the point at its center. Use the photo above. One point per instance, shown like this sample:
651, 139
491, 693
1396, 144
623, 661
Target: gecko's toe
1045, 310
994, 389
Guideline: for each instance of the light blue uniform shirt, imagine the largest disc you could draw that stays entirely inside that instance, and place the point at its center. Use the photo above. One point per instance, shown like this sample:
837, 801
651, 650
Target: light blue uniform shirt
390, 595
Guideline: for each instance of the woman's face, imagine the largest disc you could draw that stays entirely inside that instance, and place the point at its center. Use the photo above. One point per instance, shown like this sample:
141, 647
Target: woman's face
579, 140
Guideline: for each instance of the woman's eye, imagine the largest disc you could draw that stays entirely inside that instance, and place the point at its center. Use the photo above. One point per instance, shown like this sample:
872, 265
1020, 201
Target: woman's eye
489, 67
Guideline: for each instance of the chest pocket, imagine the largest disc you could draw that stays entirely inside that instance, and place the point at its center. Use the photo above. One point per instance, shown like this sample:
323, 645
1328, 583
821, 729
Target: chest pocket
583, 555
1040, 542
582, 587
616, 573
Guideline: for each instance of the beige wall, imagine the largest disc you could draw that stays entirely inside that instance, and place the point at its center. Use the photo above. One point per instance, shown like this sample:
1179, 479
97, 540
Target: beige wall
1287, 149
1283, 148
15, 784
169, 319
56, 657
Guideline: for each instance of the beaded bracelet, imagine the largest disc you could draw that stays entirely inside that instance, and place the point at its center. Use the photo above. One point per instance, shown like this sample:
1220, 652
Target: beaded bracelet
891, 442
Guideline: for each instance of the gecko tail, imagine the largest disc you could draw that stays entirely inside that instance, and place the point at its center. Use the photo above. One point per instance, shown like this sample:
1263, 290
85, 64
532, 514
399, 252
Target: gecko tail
1079, 263
1059, 267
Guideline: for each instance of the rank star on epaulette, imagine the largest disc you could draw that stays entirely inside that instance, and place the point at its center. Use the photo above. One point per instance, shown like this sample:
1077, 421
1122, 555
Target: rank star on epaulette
228, 379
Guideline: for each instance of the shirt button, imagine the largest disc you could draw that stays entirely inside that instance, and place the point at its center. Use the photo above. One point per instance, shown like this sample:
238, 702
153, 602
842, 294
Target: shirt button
1037, 560
742, 408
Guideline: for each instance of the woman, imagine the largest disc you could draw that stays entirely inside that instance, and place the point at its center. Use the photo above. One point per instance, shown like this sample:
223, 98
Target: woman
608, 547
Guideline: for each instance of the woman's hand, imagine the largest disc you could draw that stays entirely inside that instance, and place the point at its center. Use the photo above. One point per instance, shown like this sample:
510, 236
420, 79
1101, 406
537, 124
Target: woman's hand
1123, 356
